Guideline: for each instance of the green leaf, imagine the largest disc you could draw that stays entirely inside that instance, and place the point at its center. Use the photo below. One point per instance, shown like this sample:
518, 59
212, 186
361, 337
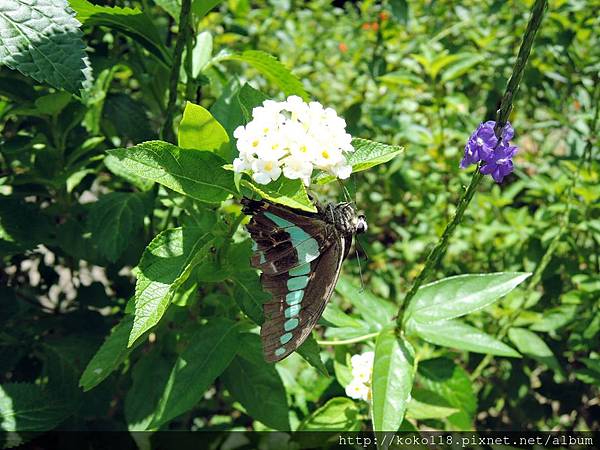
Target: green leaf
271, 68
284, 191
310, 351
202, 52
165, 265
28, 407
201, 7
234, 108
451, 382
52, 104
114, 220
401, 77
249, 295
455, 334
210, 351
456, 296
338, 414
199, 129
42, 40
111, 354
366, 154
118, 168
150, 372
427, 410
400, 10
22, 226
130, 21
531, 345
374, 310
460, 66
257, 385
393, 373
198, 174
172, 7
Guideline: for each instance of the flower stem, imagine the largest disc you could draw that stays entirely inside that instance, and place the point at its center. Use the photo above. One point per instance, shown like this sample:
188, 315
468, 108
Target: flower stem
436, 254
440, 248
535, 20
184, 28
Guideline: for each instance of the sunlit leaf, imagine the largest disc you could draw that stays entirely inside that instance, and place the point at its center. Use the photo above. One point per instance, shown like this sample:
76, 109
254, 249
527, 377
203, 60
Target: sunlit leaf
393, 374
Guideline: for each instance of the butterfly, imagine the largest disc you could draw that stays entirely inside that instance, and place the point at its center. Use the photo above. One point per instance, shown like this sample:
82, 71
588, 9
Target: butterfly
300, 255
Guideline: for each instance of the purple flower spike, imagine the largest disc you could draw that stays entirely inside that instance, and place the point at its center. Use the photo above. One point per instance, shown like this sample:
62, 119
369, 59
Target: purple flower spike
483, 146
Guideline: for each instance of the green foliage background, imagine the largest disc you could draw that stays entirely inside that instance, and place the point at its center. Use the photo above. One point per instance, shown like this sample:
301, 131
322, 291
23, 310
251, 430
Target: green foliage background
111, 336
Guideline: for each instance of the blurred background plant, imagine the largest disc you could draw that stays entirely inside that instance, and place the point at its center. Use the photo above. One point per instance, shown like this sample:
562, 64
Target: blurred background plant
418, 74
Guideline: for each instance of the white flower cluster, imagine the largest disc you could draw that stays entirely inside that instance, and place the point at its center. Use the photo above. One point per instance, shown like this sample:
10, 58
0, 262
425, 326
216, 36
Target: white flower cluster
362, 372
293, 137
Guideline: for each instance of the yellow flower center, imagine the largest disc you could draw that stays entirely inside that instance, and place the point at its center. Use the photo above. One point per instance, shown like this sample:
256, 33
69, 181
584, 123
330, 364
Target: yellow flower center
325, 154
268, 166
255, 143
303, 149
275, 146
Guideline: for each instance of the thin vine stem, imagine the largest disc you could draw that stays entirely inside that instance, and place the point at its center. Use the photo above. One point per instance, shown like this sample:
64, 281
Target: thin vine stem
364, 337
182, 37
506, 105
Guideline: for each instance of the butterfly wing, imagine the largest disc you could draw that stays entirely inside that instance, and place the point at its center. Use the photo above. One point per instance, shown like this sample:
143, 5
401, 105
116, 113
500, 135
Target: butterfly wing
300, 255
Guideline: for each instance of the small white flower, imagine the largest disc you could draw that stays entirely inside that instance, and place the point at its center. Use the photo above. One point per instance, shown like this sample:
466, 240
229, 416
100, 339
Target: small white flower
296, 167
362, 373
358, 390
265, 171
292, 137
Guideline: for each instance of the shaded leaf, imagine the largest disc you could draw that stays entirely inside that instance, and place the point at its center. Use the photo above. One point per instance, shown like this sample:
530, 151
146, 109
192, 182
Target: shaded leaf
114, 220
211, 349
531, 345
374, 310
131, 21
150, 375
338, 414
111, 354
310, 351
257, 385
451, 382
28, 407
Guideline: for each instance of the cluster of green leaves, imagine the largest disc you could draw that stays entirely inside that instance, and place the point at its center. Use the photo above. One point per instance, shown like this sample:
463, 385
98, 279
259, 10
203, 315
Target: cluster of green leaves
127, 299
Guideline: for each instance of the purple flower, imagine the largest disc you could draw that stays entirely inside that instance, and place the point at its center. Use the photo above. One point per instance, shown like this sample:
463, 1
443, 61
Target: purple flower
500, 164
483, 146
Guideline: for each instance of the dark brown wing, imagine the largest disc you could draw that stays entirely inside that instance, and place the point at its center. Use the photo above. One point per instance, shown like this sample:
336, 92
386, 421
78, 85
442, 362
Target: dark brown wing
278, 336
300, 255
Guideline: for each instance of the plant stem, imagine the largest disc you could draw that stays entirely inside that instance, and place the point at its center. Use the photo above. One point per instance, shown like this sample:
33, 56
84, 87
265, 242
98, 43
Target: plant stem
440, 248
535, 20
436, 254
364, 337
184, 28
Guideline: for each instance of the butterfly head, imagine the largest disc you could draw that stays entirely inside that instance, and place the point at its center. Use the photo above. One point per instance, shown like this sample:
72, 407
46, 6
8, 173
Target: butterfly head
361, 224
